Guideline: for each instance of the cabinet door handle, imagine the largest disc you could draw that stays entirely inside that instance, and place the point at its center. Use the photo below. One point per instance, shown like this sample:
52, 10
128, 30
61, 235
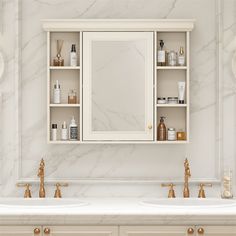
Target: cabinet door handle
149, 126
46, 231
190, 231
200, 231
36, 231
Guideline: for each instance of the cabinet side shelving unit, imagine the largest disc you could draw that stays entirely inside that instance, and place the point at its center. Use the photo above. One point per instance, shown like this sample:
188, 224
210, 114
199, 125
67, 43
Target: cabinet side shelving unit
69, 78
166, 85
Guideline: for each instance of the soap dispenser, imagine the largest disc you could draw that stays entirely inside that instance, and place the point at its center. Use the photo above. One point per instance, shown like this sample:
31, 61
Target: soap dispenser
73, 129
161, 130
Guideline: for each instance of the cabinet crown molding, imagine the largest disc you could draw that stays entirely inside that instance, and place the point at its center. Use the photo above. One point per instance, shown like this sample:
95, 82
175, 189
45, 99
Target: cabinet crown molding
118, 24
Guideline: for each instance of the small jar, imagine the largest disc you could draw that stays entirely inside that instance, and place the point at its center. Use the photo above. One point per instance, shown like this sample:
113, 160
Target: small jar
72, 98
226, 184
172, 58
172, 100
161, 100
171, 134
181, 135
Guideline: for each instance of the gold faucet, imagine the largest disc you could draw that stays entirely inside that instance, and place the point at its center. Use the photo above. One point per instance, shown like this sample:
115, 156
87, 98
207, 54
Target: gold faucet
187, 175
41, 176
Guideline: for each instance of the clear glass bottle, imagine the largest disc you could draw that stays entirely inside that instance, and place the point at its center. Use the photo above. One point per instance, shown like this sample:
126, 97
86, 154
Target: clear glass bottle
161, 54
226, 184
72, 98
181, 57
172, 58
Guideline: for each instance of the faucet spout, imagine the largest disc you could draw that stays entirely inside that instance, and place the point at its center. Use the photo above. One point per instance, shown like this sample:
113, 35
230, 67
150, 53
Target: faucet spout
42, 193
187, 175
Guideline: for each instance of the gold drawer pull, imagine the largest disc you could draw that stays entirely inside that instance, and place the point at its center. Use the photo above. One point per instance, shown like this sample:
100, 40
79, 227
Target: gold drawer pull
200, 231
36, 231
190, 231
47, 231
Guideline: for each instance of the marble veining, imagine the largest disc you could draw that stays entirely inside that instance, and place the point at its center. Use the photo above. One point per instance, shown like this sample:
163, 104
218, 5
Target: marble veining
114, 161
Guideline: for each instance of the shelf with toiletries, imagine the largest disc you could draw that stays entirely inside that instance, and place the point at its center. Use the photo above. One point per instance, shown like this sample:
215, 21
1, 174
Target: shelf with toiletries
64, 124
64, 88
171, 50
171, 124
64, 50
171, 88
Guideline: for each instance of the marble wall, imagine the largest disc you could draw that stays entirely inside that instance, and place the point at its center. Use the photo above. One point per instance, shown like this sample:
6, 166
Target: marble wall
116, 170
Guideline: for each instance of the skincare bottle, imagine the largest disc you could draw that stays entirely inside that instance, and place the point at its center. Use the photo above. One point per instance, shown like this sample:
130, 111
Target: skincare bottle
73, 129
181, 57
64, 131
72, 98
181, 91
161, 130
73, 56
54, 132
57, 93
161, 54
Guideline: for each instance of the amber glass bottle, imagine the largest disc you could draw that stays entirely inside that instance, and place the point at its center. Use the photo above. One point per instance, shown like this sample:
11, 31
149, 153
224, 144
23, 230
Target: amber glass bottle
161, 130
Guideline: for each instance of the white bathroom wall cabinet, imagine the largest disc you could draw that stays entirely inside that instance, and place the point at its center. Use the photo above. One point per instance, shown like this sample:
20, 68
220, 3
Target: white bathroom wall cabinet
118, 103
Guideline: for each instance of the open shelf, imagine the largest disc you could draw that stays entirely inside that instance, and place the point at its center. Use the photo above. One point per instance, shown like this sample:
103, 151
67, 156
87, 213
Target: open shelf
172, 142
64, 142
64, 67
64, 105
171, 105
171, 67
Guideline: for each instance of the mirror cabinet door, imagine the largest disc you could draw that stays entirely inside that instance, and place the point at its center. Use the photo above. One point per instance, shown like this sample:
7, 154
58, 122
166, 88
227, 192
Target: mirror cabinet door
118, 73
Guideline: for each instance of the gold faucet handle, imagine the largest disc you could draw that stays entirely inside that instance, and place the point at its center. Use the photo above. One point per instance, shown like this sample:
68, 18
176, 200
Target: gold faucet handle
171, 193
201, 193
58, 190
27, 193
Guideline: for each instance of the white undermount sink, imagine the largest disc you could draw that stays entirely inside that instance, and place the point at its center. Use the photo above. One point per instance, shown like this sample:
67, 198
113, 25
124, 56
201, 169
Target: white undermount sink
41, 202
190, 202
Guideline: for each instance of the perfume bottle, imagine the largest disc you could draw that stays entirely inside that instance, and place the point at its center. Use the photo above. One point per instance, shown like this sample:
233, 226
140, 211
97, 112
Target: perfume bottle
161, 54
58, 60
181, 57
72, 98
226, 184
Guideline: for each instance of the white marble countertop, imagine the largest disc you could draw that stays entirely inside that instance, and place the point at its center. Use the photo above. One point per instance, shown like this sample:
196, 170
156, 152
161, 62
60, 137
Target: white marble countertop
113, 211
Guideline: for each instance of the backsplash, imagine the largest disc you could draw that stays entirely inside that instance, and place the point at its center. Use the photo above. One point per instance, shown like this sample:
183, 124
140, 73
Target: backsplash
137, 169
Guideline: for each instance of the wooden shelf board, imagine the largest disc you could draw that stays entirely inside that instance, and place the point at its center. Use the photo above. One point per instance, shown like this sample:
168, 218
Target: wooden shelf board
171, 105
65, 142
64, 67
172, 142
171, 67
64, 105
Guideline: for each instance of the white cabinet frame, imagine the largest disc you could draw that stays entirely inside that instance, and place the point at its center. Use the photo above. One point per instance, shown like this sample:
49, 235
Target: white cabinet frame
88, 133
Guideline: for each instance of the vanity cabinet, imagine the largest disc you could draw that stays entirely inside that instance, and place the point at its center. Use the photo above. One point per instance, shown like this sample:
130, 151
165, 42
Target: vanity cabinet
118, 79
58, 231
80, 230
117, 231
20, 231
154, 230
178, 231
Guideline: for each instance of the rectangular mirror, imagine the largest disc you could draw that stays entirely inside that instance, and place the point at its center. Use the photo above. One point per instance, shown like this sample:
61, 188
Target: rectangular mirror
118, 86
